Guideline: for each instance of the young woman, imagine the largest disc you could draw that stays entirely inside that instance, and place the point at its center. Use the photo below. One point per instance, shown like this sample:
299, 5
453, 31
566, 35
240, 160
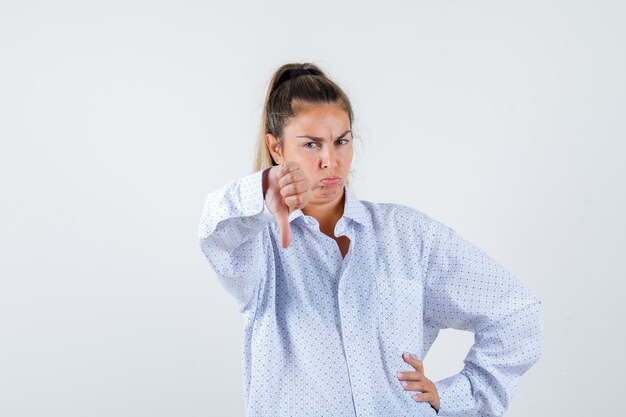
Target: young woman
342, 298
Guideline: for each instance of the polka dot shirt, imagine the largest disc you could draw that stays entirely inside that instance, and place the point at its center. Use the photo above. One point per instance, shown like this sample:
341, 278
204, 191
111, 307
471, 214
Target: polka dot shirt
324, 334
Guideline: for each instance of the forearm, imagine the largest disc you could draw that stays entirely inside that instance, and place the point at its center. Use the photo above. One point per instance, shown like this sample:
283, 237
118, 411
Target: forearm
232, 238
466, 289
234, 213
502, 353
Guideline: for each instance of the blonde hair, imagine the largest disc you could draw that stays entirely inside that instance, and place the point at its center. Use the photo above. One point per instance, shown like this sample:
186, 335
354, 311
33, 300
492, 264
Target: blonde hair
286, 96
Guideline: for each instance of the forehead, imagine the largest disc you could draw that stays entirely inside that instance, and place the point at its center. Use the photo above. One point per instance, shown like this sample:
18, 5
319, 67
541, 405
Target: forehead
319, 120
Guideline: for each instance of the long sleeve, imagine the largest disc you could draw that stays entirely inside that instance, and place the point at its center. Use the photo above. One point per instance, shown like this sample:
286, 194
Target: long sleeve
467, 290
233, 236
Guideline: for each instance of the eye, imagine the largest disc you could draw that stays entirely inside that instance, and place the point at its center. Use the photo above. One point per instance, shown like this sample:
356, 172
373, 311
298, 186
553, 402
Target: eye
345, 140
306, 145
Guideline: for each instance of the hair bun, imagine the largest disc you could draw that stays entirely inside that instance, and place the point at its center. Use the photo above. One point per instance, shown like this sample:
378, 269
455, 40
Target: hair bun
290, 74
296, 72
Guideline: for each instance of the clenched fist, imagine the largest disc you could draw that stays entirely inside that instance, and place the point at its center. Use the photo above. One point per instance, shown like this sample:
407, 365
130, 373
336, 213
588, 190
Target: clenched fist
288, 189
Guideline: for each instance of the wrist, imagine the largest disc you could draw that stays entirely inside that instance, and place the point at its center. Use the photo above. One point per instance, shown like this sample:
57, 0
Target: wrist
265, 180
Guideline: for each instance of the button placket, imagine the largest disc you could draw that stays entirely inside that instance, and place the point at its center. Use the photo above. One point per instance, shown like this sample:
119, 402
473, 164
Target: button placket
348, 326
345, 324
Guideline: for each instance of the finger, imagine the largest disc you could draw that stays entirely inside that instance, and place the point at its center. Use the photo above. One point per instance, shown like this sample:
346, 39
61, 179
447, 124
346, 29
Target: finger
287, 167
411, 376
289, 177
294, 201
284, 229
420, 386
290, 166
423, 396
297, 187
414, 362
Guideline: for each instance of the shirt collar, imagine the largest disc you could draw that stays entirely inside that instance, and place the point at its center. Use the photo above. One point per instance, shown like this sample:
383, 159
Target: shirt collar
353, 208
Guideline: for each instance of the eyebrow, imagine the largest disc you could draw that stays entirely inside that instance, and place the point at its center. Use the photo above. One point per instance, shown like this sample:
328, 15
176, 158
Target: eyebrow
316, 139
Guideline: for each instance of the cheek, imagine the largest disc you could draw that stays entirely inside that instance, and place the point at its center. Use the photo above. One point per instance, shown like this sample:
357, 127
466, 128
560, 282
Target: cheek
346, 156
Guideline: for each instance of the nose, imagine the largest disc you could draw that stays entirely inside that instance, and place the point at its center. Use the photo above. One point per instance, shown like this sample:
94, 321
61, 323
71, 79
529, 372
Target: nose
328, 158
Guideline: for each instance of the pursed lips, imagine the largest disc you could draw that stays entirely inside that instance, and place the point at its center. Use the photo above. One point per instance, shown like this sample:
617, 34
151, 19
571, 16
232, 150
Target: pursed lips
331, 180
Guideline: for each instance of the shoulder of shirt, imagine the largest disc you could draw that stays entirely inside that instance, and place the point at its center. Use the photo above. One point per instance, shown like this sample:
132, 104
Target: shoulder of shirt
401, 215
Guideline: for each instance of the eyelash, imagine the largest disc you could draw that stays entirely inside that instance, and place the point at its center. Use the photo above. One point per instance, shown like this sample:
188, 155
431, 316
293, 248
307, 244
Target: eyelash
308, 143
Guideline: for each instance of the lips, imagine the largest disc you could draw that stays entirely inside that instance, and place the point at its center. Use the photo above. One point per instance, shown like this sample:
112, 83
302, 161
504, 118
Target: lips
331, 181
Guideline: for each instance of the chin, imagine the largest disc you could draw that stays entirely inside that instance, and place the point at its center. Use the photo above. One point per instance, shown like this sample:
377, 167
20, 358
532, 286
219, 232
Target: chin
328, 192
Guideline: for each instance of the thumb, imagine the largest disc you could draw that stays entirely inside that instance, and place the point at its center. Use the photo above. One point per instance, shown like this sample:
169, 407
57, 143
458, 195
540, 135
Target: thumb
284, 228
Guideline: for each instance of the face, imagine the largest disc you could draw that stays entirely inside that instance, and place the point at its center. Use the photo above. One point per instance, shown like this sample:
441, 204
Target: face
320, 141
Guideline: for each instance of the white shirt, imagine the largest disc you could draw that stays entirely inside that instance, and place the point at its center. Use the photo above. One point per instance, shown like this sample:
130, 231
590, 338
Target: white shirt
324, 335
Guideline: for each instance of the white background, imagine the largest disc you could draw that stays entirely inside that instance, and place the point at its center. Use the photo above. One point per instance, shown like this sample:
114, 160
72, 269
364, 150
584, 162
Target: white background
504, 120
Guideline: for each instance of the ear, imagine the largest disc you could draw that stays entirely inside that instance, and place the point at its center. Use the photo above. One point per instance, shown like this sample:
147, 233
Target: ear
275, 147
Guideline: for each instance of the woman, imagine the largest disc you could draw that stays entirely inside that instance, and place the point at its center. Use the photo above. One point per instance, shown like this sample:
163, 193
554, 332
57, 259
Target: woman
335, 290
